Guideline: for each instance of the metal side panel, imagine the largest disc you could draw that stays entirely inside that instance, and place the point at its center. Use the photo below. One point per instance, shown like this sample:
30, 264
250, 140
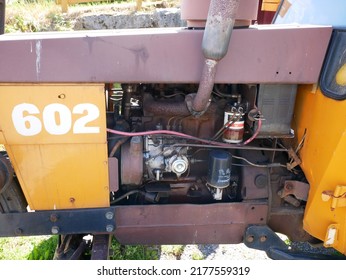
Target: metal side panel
259, 54
55, 136
221, 223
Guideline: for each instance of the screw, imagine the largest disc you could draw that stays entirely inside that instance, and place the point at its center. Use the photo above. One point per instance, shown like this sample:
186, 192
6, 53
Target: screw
289, 187
55, 230
109, 215
109, 228
53, 218
72, 199
250, 238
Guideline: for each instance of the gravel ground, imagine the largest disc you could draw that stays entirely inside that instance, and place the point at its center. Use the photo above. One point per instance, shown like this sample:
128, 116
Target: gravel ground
212, 252
233, 251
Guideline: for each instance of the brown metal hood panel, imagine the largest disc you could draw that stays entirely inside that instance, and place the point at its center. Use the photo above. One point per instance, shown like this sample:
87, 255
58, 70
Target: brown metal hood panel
262, 54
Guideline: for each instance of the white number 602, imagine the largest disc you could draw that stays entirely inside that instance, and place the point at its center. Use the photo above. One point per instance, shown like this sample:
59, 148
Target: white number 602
57, 119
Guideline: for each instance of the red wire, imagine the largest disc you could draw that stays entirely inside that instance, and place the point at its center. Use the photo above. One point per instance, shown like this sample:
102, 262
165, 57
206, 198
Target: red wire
259, 125
170, 132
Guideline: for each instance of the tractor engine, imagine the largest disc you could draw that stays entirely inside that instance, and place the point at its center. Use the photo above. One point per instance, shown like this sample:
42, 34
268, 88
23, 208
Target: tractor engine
167, 155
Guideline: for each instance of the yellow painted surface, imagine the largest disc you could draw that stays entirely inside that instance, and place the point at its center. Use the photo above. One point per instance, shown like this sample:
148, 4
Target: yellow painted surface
2, 138
323, 160
340, 77
270, 5
55, 136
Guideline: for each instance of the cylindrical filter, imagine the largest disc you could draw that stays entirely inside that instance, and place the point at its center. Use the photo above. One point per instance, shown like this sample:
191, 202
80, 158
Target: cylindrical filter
234, 124
219, 169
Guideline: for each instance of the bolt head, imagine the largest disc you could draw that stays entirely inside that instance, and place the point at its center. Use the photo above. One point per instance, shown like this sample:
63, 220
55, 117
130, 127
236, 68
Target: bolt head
55, 230
109, 215
53, 218
109, 228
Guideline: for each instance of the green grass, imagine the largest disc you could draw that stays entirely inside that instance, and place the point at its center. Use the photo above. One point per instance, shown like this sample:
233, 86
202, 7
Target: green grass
132, 252
35, 16
43, 248
175, 250
23, 248
197, 256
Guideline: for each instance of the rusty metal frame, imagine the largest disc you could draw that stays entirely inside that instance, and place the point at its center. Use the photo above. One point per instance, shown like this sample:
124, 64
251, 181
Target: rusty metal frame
145, 224
62, 222
259, 54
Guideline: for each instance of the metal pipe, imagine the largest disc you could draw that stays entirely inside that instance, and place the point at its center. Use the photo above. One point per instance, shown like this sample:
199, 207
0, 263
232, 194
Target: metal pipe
164, 108
2, 16
216, 38
230, 147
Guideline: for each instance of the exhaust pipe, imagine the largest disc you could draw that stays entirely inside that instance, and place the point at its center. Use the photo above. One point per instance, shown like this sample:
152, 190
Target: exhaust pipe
216, 38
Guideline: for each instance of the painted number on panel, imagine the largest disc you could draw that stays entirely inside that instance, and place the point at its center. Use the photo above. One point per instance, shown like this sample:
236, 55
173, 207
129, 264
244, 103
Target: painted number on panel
56, 119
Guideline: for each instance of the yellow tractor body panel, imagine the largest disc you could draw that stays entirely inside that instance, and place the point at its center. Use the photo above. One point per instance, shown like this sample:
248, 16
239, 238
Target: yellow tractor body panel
323, 162
56, 138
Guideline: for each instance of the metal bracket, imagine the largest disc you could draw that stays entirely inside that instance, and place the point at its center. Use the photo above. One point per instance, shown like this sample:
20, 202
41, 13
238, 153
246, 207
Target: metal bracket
265, 239
298, 189
76, 221
101, 245
262, 238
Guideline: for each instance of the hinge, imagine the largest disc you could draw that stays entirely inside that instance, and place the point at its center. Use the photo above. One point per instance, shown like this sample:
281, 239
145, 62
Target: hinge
338, 197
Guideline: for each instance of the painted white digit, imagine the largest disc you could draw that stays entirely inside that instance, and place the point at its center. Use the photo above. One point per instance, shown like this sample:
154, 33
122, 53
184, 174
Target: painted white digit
26, 125
57, 119
92, 113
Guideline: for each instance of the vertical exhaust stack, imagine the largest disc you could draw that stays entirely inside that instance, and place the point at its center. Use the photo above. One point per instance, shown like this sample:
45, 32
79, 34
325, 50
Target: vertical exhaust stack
2, 16
216, 38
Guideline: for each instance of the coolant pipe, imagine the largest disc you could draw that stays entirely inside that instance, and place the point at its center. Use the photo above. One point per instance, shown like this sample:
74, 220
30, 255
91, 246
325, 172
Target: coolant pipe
216, 38
2, 16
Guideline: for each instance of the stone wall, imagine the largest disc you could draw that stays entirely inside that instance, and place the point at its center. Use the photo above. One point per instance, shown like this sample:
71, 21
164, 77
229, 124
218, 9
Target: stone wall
159, 18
